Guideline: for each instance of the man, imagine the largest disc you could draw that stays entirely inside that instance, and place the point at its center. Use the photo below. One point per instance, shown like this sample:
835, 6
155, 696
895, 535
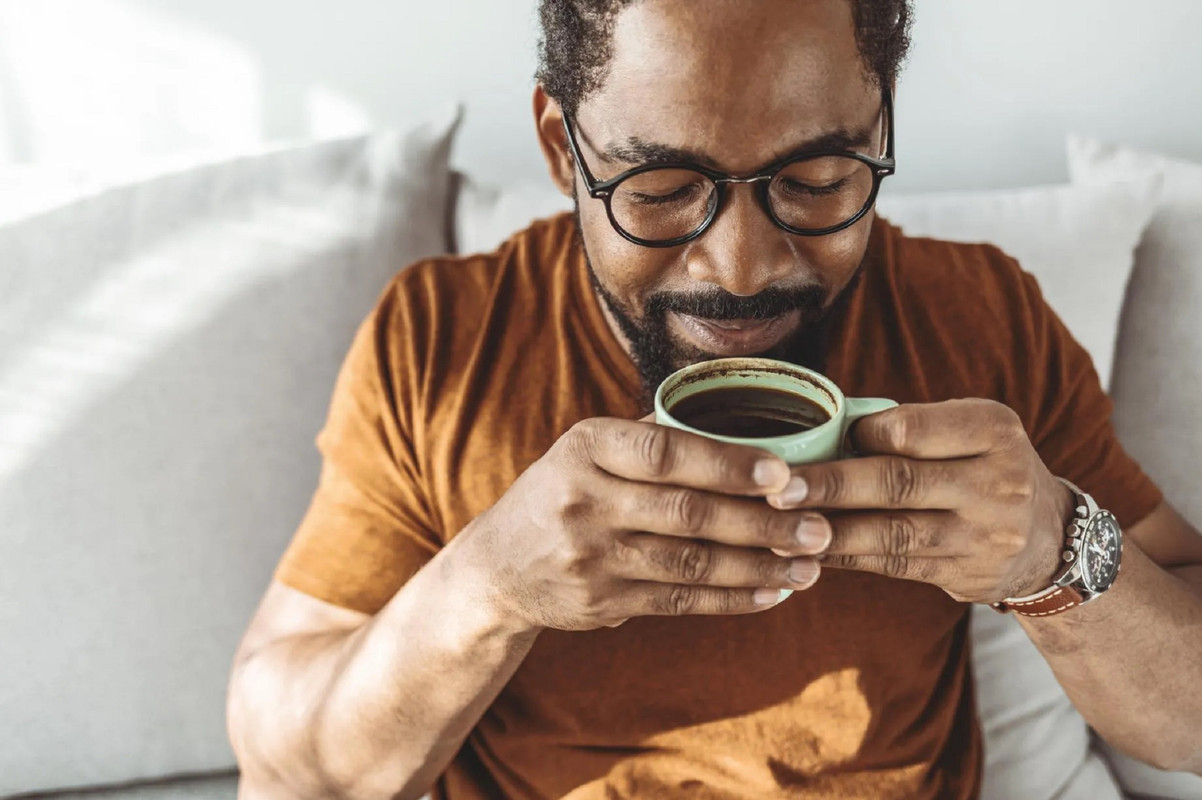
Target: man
511, 584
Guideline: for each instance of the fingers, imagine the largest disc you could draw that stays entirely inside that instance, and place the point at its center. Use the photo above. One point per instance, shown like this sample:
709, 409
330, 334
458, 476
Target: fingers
951, 429
693, 562
658, 599
742, 522
924, 570
918, 534
883, 482
642, 451
915, 546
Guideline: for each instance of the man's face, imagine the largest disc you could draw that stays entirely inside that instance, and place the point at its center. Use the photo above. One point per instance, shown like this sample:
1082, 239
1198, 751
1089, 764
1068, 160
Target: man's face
733, 86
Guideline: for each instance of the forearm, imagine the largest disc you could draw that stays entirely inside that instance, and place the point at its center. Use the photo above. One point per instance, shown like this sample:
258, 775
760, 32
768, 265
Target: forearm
1131, 661
378, 712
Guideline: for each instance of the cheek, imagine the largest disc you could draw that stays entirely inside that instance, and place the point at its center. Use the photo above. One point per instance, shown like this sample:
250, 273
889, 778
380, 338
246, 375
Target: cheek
628, 271
836, 257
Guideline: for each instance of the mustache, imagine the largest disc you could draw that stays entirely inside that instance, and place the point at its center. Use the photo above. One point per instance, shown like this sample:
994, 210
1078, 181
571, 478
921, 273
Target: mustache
722, 305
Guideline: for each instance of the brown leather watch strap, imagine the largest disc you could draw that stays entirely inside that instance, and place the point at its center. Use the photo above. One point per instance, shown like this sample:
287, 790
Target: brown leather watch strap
1044, 604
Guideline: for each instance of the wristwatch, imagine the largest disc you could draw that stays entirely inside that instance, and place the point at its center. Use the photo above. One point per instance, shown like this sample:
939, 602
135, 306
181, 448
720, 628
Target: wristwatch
1093, 551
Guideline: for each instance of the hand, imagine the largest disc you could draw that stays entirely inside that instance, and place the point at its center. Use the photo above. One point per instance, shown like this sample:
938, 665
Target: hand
623, 519
951, 494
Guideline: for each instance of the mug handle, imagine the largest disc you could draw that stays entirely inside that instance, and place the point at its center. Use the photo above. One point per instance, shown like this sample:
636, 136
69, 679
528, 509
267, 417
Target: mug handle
857, 408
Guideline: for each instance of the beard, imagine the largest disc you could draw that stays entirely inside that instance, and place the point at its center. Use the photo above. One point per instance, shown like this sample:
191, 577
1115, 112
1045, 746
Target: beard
657, 353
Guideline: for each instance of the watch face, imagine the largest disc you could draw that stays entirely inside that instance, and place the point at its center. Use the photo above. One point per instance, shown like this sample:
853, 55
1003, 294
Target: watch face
1100, 552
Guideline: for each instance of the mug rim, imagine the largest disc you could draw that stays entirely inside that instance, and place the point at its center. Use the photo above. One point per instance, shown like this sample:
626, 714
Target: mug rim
752, 364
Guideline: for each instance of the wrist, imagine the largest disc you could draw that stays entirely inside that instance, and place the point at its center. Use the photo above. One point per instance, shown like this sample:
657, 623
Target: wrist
1049, 544
473, 588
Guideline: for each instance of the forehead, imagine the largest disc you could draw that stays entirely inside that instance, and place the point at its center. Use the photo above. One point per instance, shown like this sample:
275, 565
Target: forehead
738, 80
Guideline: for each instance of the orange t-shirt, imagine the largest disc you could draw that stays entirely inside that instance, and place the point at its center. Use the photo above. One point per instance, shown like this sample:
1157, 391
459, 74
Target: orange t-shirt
470, 368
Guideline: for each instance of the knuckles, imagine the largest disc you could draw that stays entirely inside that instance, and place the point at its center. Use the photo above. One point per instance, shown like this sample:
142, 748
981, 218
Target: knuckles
900, 537
1010, 540
1014, 486
898, 431
678, 600
580, 439
901, 481
694, 562
1004, 422
652, 447
688, 511
572, 501
895, 567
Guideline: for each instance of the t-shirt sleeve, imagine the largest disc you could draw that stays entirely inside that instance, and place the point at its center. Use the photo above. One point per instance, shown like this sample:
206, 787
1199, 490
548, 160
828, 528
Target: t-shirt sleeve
368, 528
1068, 416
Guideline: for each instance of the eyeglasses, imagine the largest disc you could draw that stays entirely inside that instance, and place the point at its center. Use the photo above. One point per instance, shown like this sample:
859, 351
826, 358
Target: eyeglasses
814, 194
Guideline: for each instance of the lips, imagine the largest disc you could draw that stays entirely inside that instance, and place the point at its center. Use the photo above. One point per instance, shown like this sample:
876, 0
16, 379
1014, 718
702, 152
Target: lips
735, 337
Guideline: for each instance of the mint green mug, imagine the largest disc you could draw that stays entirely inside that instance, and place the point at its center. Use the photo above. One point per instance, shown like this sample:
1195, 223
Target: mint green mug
826, 441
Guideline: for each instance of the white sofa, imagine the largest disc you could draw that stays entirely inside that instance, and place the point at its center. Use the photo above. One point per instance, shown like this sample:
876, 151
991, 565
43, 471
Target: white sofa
167, 350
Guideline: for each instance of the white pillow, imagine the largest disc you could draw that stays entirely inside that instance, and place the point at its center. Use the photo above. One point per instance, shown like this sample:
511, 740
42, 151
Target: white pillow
487, 215
1079, 242
1160, 345
167, 352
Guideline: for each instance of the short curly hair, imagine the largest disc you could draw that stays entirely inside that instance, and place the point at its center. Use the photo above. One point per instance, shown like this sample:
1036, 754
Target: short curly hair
577, 43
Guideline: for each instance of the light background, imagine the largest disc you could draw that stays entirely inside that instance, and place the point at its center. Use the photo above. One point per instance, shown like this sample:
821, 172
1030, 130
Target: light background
988, 96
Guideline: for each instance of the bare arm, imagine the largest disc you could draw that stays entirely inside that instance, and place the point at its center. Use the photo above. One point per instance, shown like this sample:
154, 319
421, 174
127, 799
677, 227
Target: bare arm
326, 702
1132, 660
954, 494
620, 519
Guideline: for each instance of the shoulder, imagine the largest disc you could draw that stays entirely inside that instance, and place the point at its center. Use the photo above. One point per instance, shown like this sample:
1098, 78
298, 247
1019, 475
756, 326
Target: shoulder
439, 314
450, 297
950, 319
953, 295
976, 275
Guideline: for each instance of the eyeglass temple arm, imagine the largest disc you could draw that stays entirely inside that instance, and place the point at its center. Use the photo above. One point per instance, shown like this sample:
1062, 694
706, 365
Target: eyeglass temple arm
589, 181
889, 143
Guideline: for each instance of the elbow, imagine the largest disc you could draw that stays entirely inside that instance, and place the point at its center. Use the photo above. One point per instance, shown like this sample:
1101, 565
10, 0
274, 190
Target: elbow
295, 755
236, 725
1182, 757
1181, 749
1183, 754
265, 752
394, 782
243, 730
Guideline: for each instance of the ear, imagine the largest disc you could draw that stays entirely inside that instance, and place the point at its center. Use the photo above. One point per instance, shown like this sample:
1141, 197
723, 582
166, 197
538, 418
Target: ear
553, 141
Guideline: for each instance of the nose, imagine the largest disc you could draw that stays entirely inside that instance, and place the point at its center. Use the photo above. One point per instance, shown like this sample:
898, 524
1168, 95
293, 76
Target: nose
743, 251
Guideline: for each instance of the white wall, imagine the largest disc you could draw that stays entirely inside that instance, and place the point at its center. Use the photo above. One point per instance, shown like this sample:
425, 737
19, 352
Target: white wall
991, 89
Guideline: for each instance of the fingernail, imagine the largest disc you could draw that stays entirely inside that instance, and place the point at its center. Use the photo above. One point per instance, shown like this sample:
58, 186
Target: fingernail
770, 597
770, 472
814, 532
795, 492
803, 571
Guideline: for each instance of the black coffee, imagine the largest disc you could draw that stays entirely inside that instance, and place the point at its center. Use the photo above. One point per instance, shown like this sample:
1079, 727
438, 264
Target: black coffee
749, 412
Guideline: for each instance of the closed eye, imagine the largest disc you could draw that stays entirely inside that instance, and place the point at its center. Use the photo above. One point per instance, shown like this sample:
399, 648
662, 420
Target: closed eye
799, 189
681, 195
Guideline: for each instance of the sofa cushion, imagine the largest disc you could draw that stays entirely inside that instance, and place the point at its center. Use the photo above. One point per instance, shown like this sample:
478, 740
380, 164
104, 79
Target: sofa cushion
212, 787
167, 352
1161, 336
1079, 242
1158, 366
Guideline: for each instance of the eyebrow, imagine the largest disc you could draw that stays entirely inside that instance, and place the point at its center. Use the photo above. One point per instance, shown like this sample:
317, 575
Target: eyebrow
635, 150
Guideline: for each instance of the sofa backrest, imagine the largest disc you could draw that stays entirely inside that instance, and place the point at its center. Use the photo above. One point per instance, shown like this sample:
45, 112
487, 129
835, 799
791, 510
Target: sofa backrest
167, 352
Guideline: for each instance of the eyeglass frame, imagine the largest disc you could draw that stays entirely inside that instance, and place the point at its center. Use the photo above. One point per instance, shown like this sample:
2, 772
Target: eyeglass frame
603, 190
